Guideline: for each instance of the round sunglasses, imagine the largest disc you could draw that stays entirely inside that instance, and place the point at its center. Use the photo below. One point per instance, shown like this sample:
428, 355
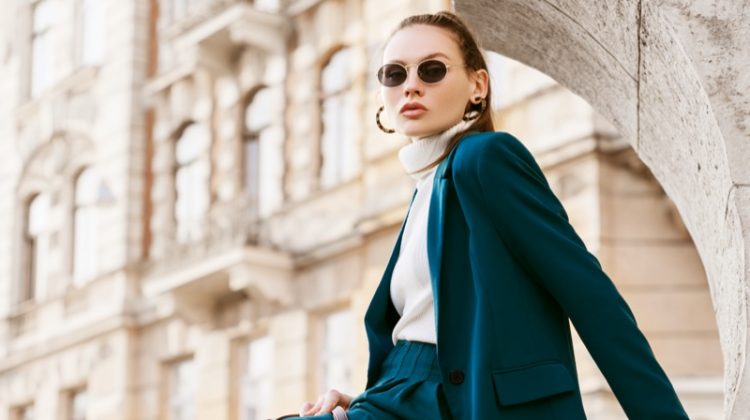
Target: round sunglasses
430, 71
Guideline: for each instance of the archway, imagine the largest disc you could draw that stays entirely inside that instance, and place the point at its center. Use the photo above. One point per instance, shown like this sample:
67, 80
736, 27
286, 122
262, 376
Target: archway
649, 68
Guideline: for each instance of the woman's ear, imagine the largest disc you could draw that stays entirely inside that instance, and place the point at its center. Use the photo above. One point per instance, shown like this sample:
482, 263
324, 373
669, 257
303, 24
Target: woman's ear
481, 81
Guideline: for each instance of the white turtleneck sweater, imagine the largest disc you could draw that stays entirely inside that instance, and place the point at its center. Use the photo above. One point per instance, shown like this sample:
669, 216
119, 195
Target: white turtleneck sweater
411, 288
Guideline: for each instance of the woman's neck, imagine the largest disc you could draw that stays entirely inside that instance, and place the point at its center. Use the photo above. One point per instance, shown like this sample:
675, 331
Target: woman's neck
422, 150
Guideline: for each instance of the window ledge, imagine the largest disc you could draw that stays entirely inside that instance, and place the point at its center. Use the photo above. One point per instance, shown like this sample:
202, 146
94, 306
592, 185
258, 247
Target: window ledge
193, 288
80, 80
21, 318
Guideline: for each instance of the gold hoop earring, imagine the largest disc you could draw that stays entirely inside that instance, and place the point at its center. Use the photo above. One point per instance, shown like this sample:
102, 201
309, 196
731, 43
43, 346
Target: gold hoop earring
472, 115
380, 125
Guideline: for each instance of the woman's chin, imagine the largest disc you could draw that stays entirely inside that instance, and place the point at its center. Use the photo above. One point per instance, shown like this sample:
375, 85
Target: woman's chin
414, 128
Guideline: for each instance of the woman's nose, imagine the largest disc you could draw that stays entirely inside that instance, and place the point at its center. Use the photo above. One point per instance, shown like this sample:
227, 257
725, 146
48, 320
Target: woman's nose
413, 84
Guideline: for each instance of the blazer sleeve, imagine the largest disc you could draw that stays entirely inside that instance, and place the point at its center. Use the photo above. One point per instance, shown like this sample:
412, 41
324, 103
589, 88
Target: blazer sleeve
533, 224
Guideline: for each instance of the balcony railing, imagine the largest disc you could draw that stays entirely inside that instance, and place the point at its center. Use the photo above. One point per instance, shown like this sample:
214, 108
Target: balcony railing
230, 258
228, 226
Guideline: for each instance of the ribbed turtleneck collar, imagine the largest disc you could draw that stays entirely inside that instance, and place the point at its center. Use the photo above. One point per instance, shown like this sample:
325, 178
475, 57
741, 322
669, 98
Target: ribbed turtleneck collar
422, 150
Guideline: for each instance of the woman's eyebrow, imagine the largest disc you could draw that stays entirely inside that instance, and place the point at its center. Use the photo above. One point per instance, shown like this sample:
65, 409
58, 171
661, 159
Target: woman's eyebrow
423, 58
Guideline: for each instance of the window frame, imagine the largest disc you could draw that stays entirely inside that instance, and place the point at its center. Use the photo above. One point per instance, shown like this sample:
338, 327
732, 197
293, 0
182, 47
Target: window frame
36, 36
241, 360
67, 397
81, 16
167, 385
25, 292
191, 165
254, 135
322, 355
344, 94
30, 279
78, 280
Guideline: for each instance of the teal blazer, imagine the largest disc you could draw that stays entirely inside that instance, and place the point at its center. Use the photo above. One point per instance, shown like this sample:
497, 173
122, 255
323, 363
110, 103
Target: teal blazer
508, 272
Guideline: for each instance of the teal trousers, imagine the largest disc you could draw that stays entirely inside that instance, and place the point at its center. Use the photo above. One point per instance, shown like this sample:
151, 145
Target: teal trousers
409, 387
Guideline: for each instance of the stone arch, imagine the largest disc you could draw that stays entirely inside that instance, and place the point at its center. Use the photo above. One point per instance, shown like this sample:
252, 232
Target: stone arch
248, 96
64, 155
51, 167
649, 68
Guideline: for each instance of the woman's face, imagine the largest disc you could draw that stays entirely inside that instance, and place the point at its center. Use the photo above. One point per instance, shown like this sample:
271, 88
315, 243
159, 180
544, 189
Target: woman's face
446, 100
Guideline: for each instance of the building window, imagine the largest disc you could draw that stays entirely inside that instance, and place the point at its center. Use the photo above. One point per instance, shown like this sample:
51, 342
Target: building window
256, 132
192, 182
24, 412
255, 380
75, 404
42, 48
182, 386
338, 106
92, 31
85, 223
36, 244
336, 361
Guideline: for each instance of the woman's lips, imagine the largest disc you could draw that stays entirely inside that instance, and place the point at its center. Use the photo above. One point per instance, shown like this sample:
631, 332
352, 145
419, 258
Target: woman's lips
413, 109
413, 113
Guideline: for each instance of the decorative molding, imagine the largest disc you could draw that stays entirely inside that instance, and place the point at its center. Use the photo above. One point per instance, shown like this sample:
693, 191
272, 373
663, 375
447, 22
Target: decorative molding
239, 23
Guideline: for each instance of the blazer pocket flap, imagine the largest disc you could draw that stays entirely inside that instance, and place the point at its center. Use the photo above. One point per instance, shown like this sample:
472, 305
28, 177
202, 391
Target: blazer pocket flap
524, 384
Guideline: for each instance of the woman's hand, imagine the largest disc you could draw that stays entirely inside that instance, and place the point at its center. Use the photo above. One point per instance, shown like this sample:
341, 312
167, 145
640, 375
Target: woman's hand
326, 403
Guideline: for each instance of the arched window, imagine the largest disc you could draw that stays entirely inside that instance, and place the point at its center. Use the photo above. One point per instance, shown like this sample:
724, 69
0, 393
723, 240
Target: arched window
36, 244
337, 147
191, 182
256, 124
85, 227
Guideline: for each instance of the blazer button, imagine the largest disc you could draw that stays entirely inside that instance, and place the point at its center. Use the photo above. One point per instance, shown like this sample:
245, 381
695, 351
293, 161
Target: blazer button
456, 377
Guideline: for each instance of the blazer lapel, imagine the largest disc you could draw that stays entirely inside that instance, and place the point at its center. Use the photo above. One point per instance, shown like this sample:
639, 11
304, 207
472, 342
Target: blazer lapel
435, 231
381, 316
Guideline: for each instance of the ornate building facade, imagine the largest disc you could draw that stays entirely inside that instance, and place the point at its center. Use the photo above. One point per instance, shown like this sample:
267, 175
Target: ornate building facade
197, 207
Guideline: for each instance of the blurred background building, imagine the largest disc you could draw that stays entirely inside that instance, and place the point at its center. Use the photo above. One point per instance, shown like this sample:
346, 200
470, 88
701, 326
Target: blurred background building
196, 207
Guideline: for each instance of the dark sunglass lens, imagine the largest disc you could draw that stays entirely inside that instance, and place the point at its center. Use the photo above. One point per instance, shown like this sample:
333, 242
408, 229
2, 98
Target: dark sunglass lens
391, 75
432, 71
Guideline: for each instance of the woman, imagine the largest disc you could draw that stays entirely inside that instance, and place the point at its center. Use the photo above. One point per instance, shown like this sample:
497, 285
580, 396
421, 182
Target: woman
486, 270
